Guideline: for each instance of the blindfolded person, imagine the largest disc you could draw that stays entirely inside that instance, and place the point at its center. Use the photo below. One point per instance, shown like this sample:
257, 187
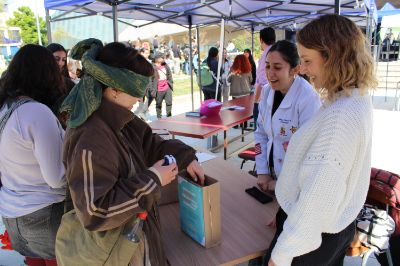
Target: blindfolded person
117, 150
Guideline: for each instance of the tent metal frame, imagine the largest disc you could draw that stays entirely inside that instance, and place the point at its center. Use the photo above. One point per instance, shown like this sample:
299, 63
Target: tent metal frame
173, 15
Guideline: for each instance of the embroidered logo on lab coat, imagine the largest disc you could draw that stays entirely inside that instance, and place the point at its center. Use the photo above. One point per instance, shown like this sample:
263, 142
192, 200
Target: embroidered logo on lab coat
293, 129
284, 120
283, 131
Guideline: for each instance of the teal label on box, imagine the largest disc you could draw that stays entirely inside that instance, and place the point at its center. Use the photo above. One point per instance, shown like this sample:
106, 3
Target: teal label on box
191, 210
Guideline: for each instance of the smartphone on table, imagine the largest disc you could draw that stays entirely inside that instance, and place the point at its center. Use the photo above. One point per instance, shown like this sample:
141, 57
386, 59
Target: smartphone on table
258, 195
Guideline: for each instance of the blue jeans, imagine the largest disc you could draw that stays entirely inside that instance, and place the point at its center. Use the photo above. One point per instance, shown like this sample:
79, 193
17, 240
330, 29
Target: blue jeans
255, 115
34, 235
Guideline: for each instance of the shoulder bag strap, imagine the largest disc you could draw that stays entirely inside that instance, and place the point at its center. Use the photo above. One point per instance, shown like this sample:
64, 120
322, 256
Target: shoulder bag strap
6, 116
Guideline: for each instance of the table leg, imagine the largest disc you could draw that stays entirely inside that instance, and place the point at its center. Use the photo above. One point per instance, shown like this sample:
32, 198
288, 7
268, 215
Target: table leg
243, 132
225, 144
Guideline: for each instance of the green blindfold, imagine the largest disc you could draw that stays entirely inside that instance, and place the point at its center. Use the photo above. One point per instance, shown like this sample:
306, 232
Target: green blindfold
85, 97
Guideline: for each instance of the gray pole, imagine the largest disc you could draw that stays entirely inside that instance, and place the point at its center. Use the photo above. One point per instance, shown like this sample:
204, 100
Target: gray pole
115, 20
220, 55
198, 59
48, 25
337, 7
190, 59
38, 24
252, 39
368, 26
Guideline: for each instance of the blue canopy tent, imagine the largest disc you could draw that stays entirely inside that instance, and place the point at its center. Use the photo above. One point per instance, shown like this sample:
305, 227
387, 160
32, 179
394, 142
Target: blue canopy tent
238, 13
243, 14
387, 10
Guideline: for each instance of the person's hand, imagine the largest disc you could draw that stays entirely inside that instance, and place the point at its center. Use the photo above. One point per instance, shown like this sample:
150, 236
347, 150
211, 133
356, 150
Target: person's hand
271, 263
167, 172
195, 170
263, 181
271, 185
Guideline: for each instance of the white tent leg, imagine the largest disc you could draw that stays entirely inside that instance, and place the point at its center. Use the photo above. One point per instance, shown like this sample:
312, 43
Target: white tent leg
220, 53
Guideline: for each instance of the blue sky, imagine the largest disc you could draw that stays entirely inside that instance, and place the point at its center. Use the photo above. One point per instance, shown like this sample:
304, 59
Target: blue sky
33, 4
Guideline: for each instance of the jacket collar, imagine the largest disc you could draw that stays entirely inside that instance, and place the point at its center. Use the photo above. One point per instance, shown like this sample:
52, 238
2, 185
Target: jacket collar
290, 96
114, 115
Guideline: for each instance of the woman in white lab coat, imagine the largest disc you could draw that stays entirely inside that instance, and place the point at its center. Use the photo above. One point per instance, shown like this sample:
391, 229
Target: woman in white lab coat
287, 102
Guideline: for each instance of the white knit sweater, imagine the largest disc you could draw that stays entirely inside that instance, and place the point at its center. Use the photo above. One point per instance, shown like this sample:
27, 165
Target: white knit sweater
325, 176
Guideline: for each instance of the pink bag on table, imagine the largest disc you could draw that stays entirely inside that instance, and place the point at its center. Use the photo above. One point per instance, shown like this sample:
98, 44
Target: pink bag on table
210, 107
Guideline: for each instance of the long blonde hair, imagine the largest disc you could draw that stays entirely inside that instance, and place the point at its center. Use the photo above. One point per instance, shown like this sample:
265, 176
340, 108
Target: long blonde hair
348, 62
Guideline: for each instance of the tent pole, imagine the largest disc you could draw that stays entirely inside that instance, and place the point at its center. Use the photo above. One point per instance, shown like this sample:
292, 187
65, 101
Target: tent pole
220, 54
337, 7
252, 39
368, 26
376, 44
115, 20
198, 59
48, 26
38, 24
371, 26
190, 60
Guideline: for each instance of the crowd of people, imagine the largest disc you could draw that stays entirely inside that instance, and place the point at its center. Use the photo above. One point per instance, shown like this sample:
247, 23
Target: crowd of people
176, 55
73, 152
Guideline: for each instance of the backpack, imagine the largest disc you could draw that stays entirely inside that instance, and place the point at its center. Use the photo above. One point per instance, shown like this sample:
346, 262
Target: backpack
374, 228
206, 75
389, 184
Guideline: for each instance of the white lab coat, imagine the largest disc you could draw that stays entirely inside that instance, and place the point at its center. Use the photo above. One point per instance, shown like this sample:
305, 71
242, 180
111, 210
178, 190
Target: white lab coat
299, 104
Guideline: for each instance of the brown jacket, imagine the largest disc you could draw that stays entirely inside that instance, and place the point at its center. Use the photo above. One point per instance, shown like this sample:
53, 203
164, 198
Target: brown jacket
107, 161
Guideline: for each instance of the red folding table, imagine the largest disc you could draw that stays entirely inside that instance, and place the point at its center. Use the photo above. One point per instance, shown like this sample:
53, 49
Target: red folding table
204, 127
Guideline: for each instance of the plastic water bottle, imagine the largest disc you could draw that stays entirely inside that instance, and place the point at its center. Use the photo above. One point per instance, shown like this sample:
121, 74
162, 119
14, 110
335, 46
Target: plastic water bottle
133, 235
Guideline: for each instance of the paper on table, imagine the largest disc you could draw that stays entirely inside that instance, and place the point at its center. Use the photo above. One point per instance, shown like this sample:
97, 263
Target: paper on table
214, 104
204, 156
233, 107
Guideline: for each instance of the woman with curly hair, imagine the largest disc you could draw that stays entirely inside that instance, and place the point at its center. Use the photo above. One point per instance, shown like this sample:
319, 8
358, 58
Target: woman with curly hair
325, 176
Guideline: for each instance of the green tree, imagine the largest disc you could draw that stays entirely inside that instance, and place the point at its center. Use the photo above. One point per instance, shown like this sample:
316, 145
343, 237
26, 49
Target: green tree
26, 20
243, 41
2, 5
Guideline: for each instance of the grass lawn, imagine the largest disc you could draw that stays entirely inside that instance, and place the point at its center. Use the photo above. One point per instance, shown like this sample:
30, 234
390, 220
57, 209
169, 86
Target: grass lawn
182, 84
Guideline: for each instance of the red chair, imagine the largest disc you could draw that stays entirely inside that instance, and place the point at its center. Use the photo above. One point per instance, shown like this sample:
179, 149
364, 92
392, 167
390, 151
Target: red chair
248, 155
